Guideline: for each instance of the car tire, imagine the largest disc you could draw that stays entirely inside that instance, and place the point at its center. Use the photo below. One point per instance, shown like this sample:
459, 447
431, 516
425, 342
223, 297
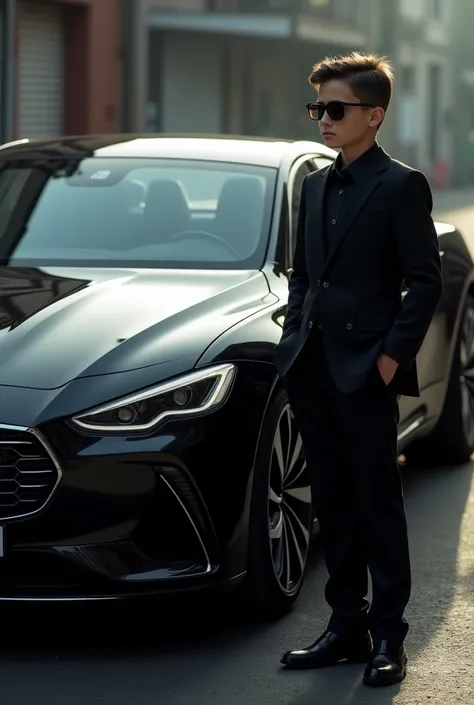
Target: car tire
281, 516
452, 441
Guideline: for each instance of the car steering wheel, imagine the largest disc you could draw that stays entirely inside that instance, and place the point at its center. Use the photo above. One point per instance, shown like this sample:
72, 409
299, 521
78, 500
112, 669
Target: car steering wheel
208, 236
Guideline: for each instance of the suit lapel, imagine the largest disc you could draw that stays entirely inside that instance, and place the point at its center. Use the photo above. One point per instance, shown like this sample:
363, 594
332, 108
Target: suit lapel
361, 193
315, 233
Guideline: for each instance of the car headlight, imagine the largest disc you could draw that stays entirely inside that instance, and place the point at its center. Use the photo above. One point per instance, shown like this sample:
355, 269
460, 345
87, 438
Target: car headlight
191, 395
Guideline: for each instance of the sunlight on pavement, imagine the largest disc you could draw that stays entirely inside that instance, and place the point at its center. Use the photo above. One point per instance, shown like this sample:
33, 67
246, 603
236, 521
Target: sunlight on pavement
440, 672
466, 543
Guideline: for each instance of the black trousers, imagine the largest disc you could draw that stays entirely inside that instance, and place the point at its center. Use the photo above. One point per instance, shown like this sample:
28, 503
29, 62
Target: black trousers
350, 444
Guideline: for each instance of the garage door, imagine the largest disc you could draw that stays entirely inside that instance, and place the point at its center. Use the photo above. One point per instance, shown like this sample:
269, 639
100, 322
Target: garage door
41, 70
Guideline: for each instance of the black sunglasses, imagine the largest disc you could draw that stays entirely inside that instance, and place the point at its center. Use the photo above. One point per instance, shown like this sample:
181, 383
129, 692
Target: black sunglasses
336, 109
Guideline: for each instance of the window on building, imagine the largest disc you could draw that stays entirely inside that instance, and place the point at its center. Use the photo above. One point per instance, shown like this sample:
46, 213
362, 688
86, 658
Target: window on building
435, 9
407, 79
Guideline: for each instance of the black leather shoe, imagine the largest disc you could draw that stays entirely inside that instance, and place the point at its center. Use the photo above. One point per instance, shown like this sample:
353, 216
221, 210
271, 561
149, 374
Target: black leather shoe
330, 649
387, 666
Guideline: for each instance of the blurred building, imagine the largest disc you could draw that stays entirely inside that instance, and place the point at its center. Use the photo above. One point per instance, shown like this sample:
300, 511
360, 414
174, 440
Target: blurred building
462, 107
234, 66
64, 60
237, 66
422, 49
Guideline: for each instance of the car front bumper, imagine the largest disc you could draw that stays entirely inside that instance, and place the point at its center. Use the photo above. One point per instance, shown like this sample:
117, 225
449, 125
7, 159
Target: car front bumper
130, 515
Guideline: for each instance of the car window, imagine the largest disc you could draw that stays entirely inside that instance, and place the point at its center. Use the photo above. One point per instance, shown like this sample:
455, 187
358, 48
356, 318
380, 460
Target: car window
295, 196
136, 212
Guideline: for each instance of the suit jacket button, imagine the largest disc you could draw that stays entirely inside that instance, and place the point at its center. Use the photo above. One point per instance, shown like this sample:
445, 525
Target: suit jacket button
349, 326
318, 283
326, 285
320, 327
310, 324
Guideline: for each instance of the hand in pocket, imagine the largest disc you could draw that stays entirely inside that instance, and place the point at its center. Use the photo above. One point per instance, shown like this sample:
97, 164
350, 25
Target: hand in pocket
387, 367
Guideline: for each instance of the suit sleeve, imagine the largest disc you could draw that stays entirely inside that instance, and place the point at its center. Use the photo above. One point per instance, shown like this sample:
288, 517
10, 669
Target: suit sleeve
418, 251
299, 282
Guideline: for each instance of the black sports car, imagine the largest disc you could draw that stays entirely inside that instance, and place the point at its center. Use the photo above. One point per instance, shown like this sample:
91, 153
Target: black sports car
146, 444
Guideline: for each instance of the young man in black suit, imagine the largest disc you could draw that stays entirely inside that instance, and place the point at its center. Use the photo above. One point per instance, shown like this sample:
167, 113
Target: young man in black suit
348, 349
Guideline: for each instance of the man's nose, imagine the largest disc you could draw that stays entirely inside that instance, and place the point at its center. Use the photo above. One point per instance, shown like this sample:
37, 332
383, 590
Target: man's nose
325, 120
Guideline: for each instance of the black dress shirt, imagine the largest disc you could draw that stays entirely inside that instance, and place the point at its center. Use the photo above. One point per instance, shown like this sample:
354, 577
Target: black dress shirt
339, 187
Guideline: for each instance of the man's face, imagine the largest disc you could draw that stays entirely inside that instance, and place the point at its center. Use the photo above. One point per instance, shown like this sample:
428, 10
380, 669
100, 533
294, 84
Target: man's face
356, 124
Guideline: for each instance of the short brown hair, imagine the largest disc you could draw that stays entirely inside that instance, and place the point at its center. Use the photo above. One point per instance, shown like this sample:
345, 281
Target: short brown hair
370, 76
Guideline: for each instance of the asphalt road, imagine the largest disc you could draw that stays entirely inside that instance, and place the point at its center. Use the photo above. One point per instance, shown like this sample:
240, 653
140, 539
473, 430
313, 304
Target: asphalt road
189, 652
200, 652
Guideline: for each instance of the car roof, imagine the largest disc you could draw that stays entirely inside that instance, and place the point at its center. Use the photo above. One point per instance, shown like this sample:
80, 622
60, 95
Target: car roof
259, 151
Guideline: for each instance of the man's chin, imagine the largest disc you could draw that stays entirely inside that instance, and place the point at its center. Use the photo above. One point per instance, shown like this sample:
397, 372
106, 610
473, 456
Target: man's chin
331, 140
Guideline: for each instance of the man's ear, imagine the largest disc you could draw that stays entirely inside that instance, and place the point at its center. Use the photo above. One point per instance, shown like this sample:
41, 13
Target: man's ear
377, 116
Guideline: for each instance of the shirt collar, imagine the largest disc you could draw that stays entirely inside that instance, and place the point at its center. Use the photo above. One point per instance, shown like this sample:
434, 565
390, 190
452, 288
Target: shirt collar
357, 168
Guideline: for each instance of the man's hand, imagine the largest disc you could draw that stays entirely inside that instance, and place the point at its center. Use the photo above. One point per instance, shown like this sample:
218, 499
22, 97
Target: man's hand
387, 368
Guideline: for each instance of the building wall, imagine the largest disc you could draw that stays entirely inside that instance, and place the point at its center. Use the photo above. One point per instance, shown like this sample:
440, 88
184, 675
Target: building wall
90, 76
93, 69
93, 65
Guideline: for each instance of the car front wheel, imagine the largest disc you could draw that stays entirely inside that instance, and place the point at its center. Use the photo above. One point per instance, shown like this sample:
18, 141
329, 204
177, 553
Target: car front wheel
281, 520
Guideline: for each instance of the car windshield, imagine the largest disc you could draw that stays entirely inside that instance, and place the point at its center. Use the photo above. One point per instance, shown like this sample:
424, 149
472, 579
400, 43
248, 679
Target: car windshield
135, 212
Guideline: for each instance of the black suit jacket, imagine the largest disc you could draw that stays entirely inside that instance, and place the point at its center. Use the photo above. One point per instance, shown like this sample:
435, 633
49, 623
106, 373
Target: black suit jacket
354, 293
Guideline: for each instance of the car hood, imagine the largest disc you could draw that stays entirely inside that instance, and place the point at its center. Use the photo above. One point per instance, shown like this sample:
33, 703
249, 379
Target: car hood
60, 324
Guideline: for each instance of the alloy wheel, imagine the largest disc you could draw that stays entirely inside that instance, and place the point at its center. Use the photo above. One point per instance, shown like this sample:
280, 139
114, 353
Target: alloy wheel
289, 504
467, 375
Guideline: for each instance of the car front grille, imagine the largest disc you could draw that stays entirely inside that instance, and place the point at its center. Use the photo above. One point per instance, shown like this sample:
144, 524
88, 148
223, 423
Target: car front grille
29, 474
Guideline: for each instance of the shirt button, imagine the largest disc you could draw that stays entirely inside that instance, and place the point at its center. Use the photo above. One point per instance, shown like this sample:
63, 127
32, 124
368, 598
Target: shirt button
349, 326
334, 221
320, 327
318, 283
310, 324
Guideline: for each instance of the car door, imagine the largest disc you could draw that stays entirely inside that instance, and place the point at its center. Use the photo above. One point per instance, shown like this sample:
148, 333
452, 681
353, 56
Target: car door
302, 167
412, 409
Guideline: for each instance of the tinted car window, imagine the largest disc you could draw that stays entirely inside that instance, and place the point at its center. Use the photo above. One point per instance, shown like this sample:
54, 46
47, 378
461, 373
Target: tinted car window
136, 212
300, 175
303, 171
